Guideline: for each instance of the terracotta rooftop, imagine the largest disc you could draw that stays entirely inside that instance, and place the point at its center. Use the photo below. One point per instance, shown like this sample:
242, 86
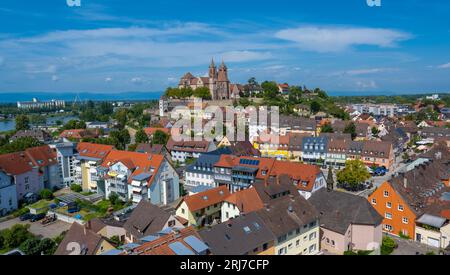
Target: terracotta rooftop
92, 150
207, 198
162, 245
138, 163
246, 200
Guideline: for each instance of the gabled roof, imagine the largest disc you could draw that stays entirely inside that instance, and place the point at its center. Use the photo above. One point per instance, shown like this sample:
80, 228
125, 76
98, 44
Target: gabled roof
237, 236
146, 219
246, 200
422, 188
207, 198
288, 214
91, 150
188, 146
339, 210
16, 163
88, 240
42, 156
187, 239
137, 163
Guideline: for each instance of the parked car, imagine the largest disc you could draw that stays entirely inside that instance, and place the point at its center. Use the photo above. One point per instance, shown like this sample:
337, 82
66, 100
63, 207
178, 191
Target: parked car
49, 219
38, 217
26, 217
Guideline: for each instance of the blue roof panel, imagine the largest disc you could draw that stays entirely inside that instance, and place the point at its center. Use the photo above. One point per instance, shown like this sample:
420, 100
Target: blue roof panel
180, 249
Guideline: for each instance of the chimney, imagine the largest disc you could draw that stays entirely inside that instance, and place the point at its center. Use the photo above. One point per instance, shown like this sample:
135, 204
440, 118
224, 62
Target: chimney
290, 208
405, 182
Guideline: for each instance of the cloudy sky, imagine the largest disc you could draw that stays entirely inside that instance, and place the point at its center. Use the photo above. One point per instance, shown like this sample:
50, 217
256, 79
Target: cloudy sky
122, 46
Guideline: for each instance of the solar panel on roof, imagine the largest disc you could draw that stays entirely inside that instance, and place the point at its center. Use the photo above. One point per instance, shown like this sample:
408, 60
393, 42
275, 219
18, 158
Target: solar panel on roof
198, 246
180, 249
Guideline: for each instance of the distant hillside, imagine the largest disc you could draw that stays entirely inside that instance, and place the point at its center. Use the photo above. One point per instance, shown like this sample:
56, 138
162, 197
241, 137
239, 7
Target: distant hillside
14, 97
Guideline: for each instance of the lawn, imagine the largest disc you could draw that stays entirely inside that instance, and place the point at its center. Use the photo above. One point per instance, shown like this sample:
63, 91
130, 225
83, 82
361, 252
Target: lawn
89, 211
42, 204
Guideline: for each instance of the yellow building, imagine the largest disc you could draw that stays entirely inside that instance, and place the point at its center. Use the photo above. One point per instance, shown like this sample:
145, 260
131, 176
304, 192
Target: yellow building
90, 156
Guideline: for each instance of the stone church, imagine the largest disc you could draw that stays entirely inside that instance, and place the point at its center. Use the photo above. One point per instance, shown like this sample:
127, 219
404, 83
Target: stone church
217, 81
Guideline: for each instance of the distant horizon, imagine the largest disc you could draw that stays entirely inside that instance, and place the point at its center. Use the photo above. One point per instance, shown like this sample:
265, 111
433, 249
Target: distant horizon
14, 97
148, 45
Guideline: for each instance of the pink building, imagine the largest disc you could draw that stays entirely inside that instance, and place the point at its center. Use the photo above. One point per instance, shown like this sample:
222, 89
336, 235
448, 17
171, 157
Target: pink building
347, 222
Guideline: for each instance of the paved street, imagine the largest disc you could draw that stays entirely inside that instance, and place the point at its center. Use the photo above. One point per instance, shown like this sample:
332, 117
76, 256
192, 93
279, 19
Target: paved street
38, 229
409, 247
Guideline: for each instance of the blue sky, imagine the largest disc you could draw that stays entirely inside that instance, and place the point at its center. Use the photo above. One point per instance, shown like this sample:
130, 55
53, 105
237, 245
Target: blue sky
121, 46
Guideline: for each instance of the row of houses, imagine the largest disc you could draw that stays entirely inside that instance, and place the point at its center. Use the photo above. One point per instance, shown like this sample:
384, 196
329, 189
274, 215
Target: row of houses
328, 149
27, 172
238, 173
270, 218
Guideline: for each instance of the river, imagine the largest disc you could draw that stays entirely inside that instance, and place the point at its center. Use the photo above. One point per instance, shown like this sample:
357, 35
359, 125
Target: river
8, 125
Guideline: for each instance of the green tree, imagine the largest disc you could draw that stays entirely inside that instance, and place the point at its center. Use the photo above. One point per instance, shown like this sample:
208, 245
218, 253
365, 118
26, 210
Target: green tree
31, 246
387, 246
22, 122
202, 92
16, 235
351, 129
20, 144
327, 128
315, 107
74, 124
270, 89
141, 136
160, 138
46, 194
353, 175
76, 188
375, 131
244, 102
122, 117
120, 138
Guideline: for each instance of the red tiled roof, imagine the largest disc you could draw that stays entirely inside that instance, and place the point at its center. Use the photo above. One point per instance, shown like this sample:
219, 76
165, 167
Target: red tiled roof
92, 150
207, 198
246, 200
188, 146
16, 163
160, 246
138, 163
303, 173
42, 156
152, 130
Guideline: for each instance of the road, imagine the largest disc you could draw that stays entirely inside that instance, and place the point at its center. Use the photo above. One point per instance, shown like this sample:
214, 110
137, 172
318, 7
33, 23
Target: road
376, 181
50, 231
410, 247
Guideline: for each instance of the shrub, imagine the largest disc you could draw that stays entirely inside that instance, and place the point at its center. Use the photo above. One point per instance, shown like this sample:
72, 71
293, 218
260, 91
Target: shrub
46, 194
76, 188
387, 246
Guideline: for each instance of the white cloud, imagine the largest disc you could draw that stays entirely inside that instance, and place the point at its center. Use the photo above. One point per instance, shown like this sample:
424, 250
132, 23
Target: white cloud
38, 69
137, 80
366, 84
335, 39
369, 71
108, 79
55, 78
444, 66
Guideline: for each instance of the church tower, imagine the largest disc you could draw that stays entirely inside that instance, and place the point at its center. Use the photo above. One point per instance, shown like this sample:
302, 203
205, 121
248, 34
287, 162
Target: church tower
212, 79
223, 83
212, 70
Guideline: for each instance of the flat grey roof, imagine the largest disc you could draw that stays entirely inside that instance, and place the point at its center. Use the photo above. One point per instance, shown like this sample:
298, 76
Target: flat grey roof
434, 221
